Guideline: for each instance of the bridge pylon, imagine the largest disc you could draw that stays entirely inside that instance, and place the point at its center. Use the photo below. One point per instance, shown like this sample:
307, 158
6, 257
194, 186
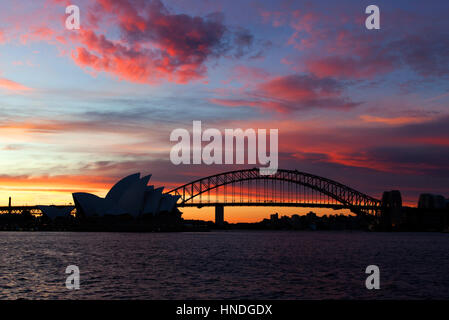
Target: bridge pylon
219, 214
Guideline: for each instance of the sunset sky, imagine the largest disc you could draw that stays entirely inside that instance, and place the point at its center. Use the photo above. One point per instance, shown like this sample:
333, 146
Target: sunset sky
80, 109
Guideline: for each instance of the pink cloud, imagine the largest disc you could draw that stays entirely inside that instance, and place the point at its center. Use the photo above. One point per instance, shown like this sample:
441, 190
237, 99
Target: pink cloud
335, 44
154, 44
277, 18
246, 74
38, 34
137, 41
286, 94
350, 67
13, 86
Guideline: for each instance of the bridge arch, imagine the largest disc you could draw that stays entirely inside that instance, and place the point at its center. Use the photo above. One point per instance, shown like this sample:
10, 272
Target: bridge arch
347, 197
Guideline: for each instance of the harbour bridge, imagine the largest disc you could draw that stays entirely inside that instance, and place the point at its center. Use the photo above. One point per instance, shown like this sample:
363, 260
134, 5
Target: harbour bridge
247, 187
285, 188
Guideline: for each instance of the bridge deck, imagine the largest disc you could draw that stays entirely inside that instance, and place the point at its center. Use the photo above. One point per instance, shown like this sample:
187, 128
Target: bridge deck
273, 204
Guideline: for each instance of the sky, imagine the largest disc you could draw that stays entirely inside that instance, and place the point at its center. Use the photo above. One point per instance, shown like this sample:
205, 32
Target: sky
80, 109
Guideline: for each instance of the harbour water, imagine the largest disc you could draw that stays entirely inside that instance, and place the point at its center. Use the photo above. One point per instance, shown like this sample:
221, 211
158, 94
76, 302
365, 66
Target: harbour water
224, 265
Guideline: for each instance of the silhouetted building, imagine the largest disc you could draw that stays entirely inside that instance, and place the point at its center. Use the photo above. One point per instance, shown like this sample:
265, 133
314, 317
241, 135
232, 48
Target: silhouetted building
392, 212
392, 199
432, 213
431, 201
54, 212
131, 195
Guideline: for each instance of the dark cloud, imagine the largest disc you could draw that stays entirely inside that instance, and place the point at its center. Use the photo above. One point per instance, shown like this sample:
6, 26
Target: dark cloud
243, 40
426, 54
425, 159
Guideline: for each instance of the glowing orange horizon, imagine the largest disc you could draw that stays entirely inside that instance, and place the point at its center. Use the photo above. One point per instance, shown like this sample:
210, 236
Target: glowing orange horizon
57, 190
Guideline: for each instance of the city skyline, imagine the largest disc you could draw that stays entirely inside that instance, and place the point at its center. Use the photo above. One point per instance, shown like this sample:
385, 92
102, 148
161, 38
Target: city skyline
82, 108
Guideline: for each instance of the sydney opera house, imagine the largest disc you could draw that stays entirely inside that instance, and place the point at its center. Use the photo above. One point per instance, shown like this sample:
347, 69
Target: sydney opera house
131, 195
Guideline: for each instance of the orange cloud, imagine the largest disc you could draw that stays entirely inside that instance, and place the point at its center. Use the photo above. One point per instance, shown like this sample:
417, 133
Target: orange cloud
59, 183
393, 121
13, 86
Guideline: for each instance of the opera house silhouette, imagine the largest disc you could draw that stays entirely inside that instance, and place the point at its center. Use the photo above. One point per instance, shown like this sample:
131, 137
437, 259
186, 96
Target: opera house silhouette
131, 195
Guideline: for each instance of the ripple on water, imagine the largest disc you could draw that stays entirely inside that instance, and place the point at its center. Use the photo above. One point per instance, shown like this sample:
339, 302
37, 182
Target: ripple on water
224, 265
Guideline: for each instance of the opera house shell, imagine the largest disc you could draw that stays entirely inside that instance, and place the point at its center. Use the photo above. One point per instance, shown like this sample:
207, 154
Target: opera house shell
131, 195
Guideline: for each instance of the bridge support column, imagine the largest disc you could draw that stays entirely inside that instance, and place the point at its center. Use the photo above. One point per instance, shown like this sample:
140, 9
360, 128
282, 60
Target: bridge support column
219, 215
